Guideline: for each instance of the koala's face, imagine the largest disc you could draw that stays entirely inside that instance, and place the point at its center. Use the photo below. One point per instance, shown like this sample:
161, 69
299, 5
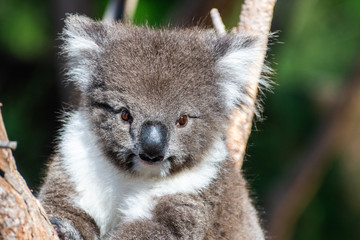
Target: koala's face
157, 100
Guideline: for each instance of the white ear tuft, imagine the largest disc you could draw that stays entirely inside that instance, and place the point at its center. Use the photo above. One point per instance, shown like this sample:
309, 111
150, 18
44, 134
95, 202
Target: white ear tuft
238, 68
82, 45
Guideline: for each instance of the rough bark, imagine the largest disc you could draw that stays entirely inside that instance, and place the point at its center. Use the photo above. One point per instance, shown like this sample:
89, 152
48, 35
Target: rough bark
21, 215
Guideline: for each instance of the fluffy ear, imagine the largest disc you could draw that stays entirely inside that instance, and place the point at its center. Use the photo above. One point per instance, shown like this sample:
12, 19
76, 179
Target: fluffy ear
239, 59
84, 40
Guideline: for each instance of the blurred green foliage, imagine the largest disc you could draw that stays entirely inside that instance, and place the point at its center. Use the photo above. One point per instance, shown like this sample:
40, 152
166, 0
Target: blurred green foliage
24, 28
313, 54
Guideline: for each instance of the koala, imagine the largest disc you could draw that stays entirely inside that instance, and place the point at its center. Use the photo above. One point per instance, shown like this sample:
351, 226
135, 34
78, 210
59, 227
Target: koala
144, 155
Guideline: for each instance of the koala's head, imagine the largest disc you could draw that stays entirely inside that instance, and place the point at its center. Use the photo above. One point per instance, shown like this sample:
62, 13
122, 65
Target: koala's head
157, 100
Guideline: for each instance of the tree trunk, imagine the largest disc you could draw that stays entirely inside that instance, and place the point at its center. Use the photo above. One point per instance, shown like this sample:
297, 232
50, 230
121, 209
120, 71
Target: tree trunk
21, 214
255, 18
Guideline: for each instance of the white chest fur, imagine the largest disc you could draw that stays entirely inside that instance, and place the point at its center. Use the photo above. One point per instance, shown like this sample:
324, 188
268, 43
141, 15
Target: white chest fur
110, 196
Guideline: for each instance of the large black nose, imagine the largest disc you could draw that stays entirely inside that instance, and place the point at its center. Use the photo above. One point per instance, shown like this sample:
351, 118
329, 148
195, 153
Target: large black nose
153, 141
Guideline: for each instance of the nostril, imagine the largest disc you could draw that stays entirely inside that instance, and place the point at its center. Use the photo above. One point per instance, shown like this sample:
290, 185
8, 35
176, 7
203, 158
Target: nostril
144, 157
147, 159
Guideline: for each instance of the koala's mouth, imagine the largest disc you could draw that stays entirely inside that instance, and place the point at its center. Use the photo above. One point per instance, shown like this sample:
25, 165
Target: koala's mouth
149, 160
134, 158
145, 167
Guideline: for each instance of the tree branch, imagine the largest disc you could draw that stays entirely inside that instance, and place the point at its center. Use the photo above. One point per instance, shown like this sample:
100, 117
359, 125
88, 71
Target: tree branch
21, 214
255, 19
217, 22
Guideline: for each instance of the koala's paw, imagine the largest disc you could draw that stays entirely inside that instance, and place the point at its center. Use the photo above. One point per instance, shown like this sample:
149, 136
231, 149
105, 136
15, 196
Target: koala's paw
65, 230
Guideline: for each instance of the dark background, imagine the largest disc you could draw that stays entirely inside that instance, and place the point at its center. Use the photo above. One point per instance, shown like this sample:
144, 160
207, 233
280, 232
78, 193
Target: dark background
311, 126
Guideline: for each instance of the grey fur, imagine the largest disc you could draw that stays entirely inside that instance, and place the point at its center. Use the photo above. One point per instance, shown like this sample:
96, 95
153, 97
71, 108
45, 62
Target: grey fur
65, 229
157, 75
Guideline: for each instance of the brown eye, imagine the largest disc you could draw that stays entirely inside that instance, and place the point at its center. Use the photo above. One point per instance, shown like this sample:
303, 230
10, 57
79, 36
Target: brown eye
125, 115
182, 121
